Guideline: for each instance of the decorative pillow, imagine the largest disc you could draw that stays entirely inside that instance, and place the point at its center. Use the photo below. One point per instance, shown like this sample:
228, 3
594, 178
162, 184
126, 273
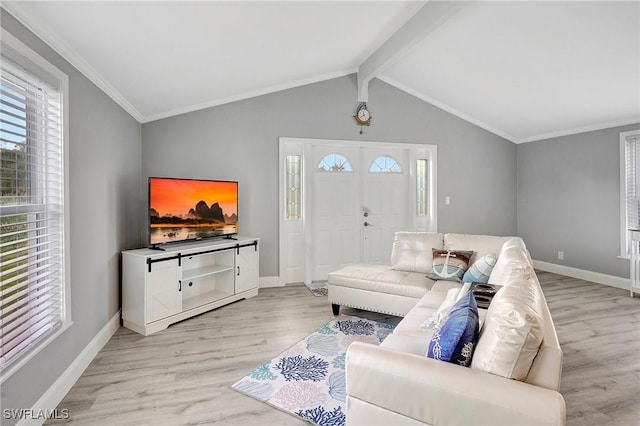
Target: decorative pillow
449, 265
456, 338
481, 269
435, 321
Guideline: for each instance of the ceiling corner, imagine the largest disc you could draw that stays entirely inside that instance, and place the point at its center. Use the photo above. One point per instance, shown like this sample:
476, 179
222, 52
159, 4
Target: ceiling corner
71, 56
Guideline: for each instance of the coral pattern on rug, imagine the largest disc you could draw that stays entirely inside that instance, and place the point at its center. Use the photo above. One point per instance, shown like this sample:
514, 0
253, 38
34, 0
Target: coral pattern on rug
307, 380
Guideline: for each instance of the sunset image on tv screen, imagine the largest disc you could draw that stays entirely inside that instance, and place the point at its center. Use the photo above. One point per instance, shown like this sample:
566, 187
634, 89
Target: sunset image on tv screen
184, 209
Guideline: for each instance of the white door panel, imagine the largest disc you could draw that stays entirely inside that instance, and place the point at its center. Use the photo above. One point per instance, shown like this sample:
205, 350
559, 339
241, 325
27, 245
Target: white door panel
385, 201
334, 241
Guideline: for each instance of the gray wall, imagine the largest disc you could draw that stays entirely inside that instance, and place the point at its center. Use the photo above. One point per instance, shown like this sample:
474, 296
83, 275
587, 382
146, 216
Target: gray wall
239, 141
104, 173
569, 200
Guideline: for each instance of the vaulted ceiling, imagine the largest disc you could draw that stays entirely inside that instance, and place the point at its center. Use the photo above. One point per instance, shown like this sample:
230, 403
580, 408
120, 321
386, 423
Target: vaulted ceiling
524, 70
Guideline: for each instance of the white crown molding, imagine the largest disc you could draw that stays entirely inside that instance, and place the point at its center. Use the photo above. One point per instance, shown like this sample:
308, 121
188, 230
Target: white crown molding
582, 274
248, 95
446, 108
578, 130
59, 389
466, 117
71, 56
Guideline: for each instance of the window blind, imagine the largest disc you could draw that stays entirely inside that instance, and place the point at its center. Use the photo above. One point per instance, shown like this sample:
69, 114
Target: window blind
32, 288
632, 168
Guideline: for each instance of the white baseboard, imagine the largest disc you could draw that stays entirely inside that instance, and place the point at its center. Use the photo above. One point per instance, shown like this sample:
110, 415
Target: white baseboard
266, 282
596, 277
59, 389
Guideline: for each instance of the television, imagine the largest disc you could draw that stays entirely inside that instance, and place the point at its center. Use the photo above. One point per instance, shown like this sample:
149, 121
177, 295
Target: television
191, 209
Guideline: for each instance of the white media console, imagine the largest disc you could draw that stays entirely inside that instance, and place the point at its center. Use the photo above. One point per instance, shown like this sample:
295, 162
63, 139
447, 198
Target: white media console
160, 288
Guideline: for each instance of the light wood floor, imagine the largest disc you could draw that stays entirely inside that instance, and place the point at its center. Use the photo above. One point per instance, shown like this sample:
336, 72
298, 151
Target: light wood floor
182, 375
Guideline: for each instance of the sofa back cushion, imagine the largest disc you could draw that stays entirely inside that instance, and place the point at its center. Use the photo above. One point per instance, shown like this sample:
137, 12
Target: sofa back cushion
512, 331
480, 244
513, 262
412, 251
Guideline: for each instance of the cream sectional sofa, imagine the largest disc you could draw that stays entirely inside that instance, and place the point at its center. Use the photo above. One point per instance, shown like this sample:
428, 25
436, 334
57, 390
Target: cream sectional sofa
515, 370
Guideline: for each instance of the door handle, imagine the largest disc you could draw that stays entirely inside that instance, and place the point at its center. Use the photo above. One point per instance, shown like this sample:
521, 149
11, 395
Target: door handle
367, 224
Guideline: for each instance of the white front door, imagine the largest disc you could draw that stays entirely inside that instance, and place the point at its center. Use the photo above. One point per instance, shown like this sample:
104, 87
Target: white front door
385, 207
334, 185
352, 198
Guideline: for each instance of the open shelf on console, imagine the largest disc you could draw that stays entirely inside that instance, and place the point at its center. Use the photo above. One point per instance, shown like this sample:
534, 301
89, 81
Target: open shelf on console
201, 299
203, 271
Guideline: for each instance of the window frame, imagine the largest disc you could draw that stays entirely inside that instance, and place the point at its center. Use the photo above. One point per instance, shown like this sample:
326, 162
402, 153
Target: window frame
19, 53
625, 252
336, 155
390, 170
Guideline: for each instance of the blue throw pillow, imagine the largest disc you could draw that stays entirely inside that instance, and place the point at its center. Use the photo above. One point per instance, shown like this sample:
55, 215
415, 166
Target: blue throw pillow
455, 340
481, 269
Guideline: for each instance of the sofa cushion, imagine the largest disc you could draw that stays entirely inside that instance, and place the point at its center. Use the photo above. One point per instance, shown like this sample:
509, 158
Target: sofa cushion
513, 263
512, 331
434, 297
455, 340
480, 244
449, 265
410, 324
481, 269
382, 279
412, 251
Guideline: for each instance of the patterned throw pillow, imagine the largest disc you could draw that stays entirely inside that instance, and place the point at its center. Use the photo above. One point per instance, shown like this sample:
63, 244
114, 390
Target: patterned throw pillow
455, 340
449, 265
481, 269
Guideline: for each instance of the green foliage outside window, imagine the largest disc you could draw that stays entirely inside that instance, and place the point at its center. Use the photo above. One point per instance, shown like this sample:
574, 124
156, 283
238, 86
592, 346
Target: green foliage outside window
13, 228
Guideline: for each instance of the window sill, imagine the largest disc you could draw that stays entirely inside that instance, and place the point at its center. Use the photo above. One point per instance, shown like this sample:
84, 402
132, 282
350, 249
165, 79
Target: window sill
14, 366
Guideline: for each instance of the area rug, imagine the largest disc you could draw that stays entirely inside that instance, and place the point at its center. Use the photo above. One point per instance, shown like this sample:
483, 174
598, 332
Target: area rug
318, 288
307, 380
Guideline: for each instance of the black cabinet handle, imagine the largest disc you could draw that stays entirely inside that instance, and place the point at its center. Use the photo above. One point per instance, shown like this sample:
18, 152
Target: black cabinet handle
238, 271
179, 285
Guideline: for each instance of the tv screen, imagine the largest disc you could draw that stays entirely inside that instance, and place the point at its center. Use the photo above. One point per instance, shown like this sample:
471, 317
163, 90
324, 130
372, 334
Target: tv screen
191, 209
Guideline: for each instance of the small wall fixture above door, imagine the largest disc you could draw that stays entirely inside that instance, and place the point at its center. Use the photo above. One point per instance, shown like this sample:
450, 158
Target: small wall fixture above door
362, 117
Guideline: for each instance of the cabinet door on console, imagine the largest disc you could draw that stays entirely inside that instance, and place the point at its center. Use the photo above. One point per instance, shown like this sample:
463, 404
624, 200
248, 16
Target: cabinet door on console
164, 297
246, 269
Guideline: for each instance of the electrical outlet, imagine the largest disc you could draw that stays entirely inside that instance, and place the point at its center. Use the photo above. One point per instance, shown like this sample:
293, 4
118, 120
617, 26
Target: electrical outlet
447, 200
560, 255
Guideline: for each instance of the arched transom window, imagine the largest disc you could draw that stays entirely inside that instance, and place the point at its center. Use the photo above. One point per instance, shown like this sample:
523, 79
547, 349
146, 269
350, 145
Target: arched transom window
334, 163
385, 164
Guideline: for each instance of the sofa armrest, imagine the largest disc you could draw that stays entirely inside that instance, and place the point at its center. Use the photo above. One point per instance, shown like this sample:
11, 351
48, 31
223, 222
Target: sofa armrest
439, 393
